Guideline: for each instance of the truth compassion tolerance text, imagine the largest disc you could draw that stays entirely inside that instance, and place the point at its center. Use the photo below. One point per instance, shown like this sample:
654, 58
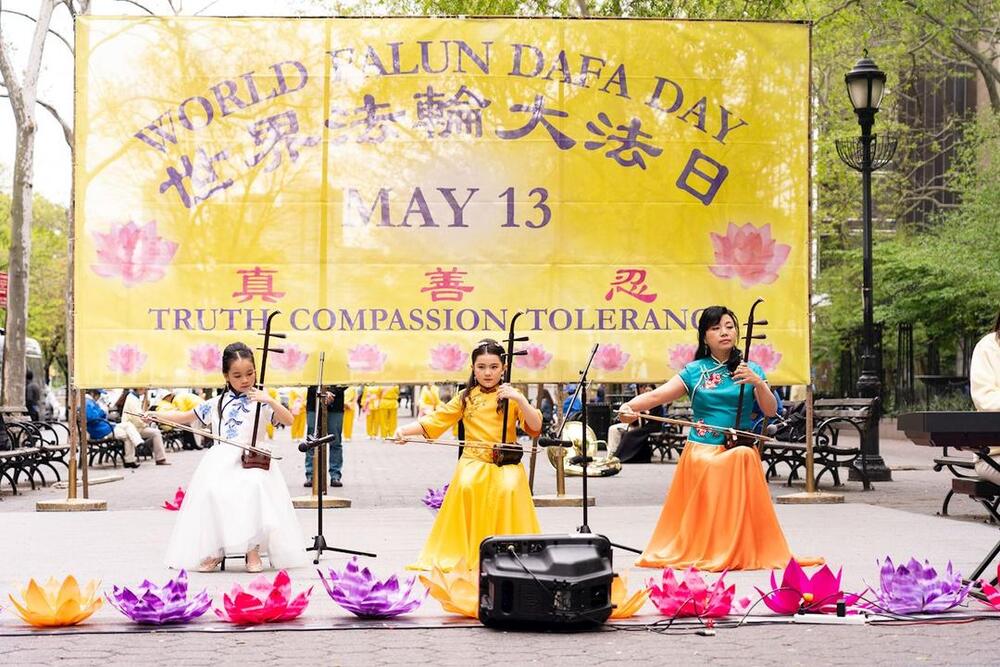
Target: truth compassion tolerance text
427, 319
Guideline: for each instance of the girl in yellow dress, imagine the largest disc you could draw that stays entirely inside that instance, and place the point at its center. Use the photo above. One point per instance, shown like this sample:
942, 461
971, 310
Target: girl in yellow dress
297, 406
483, 499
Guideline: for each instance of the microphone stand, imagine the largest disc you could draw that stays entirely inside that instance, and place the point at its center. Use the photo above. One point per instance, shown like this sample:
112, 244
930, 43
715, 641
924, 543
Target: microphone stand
584, 458
319, 544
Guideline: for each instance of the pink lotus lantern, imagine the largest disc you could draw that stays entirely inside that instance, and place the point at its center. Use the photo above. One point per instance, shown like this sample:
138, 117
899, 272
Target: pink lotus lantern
291, 359
126, 359
681, 355
447, 357
692, 596
263, 602
366, 357
610, 358
133, 253
206, 358
536, 359
765, 356
178, 500
748, 253
800, 592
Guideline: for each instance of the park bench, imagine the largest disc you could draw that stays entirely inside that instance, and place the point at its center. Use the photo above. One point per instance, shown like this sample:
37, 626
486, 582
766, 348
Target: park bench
961, 467
671, 437
830, 417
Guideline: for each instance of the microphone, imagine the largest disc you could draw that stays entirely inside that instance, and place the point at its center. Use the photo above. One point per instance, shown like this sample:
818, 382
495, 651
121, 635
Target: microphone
312, 443
554, 442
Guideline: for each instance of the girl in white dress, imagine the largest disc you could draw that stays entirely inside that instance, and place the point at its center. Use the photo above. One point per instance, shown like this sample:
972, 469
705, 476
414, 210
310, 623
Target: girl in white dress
228, 508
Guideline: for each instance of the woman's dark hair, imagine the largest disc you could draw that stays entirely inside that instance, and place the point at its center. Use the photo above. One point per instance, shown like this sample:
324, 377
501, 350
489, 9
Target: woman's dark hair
996, 327
709, 318
485, 346
233, 352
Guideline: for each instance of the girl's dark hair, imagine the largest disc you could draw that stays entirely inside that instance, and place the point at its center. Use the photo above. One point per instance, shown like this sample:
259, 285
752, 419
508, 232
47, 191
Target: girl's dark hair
233, 352
996, 327
485, 346
709, 318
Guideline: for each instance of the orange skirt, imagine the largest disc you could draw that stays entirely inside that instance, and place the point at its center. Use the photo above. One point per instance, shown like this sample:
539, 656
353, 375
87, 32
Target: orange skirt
718, 515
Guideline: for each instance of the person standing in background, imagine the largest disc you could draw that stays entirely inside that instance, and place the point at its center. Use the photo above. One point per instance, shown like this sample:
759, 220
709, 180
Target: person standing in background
388, 410
333, 400
350, 409
370, 397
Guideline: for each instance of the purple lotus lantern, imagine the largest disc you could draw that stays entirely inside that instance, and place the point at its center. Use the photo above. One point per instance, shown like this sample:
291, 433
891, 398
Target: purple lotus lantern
154, 605
356, 590
434, 498
798, 591
916, 588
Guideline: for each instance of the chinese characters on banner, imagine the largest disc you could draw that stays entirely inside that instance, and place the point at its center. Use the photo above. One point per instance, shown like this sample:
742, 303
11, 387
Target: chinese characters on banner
399, 192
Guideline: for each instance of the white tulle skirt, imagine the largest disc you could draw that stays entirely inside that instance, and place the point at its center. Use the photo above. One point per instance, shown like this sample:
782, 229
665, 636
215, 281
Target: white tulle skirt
229, 509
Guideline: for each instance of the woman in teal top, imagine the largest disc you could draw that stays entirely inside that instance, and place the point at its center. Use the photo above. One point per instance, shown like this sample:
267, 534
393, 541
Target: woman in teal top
718, 513
715, 391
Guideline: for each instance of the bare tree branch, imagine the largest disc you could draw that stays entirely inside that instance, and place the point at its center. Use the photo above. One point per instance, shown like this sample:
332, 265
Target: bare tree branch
32, 19
835, 11
140, 6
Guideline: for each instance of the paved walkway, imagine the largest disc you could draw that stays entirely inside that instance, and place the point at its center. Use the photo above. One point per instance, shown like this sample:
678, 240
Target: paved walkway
385, 482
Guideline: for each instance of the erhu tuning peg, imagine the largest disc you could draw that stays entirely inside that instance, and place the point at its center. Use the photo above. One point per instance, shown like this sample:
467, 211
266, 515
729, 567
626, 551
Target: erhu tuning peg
759, 336
521, 339
760, 323
278, 350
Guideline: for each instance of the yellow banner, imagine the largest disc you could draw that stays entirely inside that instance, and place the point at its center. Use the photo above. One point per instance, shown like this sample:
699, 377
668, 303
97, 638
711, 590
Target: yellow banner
399, 188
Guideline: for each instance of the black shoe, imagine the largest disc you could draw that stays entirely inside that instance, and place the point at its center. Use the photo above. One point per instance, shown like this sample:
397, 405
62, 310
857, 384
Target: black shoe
336, 482
308, 484
134, 464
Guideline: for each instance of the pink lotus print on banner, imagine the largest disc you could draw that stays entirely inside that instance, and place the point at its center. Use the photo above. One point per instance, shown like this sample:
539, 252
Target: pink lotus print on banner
536, 359
366, 357
292, 359
206, 358
133, 253
681, 355
766, 356
611, 358
447, 357
126, 359
748, 253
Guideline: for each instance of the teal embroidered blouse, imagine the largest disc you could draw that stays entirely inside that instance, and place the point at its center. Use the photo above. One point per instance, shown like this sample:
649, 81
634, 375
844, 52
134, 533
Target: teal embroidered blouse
714, 397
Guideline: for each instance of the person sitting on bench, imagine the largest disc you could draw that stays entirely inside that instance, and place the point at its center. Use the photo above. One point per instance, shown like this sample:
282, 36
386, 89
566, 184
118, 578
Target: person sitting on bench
984, 381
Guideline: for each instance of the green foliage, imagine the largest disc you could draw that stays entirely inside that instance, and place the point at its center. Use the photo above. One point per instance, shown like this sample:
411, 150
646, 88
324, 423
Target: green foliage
48, 278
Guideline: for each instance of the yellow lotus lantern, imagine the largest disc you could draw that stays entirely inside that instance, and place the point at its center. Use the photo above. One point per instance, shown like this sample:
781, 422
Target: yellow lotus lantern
457, 590
626, 608
57, 604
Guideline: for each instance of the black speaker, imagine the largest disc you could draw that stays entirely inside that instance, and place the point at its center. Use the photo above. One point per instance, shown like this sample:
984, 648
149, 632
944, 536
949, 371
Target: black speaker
599, 419
545, 581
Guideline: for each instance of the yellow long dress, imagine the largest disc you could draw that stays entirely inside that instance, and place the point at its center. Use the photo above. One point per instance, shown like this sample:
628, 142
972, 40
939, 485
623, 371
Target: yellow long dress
388, 409
273, 393
483, 499
350, 407
369, 403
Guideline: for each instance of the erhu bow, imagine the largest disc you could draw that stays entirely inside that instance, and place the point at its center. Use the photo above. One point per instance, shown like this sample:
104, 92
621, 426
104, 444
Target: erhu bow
741, 438
508, 453
257, 458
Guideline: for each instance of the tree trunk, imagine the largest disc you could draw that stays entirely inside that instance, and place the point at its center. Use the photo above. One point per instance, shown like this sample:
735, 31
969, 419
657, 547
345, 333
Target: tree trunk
22, 101
20, 252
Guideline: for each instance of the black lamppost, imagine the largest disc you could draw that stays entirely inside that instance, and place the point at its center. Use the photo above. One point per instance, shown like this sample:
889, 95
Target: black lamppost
865, 86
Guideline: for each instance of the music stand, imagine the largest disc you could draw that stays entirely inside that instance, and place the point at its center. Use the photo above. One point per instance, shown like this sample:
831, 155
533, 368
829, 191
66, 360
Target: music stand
584, 459
319, 544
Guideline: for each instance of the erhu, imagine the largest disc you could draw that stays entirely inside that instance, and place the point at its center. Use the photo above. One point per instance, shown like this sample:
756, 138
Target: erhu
508, 453
258, 458
737, 438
